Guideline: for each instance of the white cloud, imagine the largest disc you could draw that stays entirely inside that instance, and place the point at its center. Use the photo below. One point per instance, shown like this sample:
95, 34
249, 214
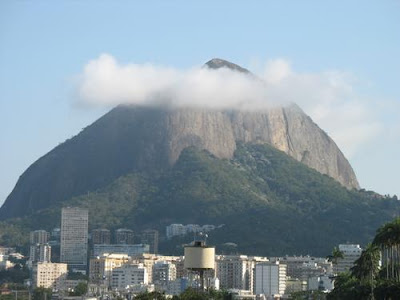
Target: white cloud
328, 97
104, 81
276, 71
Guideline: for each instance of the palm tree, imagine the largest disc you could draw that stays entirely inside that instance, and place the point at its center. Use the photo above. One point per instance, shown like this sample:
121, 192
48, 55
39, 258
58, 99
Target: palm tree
367, 265
388, 239
334, 257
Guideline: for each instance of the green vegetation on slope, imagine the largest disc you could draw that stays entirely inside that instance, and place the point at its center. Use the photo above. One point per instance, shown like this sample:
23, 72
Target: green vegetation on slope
270, 203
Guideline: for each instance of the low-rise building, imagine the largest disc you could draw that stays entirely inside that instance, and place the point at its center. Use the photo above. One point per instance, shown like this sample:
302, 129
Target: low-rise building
295, 285
150, 237
241, 294
351, 252
129, 275
5, 263
303, 267
101, 236
321, 283
180, 229
148, 261
236, 271
40, 253
131, 250
175, 230
124, 236
177, 286
49, 275
163, 273
100, 268
68, 285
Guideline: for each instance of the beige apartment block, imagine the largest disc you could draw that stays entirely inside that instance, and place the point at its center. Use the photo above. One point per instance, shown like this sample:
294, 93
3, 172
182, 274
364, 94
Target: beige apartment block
49, 275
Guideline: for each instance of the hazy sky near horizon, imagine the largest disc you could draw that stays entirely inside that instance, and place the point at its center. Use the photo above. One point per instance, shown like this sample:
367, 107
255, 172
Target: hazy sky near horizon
339, 60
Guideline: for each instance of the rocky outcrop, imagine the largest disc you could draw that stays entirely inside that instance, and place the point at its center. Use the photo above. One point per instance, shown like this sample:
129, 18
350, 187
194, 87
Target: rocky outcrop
288, 129
204, 129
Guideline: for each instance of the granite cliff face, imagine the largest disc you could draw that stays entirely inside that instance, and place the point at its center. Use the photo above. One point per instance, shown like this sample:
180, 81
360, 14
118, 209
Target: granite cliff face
135, 139
288, 129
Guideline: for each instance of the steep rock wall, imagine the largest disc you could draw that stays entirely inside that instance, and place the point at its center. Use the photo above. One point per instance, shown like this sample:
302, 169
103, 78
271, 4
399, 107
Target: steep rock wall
288, 129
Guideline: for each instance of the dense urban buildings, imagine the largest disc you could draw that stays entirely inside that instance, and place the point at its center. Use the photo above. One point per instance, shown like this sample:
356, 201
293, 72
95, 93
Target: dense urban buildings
304, 267
129, 268
74, 238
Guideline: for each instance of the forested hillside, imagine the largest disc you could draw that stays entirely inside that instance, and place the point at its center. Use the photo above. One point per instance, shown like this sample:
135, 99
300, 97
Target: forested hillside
269, 203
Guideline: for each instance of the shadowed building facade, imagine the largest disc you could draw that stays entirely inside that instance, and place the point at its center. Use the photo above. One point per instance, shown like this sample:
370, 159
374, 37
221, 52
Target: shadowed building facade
74, 238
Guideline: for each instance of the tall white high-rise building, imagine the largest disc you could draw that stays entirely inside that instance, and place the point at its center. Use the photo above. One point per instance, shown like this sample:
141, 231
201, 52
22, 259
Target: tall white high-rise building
270, 279
74, 237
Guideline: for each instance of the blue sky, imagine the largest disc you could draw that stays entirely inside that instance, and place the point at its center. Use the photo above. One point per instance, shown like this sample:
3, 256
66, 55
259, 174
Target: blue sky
45, 45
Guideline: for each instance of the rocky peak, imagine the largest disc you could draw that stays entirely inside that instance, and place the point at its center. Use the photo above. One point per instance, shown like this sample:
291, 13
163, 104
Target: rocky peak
217, 63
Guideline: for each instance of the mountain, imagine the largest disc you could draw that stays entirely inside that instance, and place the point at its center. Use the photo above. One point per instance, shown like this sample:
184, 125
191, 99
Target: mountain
129, 139
271, 172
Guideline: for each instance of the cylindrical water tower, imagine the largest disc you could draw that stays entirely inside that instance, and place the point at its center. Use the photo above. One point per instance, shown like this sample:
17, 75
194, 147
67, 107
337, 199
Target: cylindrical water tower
199, 258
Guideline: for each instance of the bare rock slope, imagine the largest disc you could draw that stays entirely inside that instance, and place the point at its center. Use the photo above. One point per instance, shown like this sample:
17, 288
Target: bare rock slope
288, 129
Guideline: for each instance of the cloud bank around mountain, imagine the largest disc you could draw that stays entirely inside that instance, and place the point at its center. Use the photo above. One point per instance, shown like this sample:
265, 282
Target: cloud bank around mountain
330, 98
